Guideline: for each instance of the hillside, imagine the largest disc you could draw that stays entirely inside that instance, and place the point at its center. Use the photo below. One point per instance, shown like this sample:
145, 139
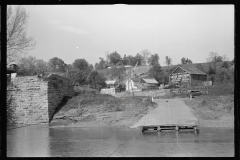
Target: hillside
144, 69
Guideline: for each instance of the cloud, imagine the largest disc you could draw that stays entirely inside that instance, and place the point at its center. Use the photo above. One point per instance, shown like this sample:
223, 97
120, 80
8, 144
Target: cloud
72, 29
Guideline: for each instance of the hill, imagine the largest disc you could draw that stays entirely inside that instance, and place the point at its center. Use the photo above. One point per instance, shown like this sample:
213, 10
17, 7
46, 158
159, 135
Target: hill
142, 70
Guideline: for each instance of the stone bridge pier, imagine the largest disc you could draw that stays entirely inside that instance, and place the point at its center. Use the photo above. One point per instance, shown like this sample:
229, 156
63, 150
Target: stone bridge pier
34, 99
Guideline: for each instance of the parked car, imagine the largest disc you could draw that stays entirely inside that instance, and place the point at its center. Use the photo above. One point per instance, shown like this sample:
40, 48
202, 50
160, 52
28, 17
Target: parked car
194, 93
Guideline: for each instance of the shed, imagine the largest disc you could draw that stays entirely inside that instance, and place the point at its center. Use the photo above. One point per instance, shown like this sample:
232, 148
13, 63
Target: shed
149, 82
111, 84
187, 75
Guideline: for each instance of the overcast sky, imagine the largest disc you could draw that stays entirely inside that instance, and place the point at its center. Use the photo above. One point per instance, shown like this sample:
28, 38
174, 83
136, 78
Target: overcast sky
70, 32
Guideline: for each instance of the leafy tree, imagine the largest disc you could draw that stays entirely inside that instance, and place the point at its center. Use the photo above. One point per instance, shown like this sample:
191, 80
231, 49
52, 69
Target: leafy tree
26, 66
222, 76
118, 73
56, 65
145, 54
17, 40
225, 64
120, 63
81, 64
133, 60
186, 61
101, 64
41, 66
140, 59
154, 60
168, 61
115, 57
157, 72
29, 66
126, 60
96, 81
76, 75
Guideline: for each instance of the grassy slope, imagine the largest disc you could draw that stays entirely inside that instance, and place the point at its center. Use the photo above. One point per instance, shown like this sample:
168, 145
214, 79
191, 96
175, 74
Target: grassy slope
89, 107
216, 108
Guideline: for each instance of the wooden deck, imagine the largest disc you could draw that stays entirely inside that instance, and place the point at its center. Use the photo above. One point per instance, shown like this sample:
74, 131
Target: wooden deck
170, 127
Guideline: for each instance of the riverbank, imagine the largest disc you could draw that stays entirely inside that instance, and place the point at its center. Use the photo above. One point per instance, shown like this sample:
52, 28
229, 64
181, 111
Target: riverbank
124, 109
213, 111
94, 110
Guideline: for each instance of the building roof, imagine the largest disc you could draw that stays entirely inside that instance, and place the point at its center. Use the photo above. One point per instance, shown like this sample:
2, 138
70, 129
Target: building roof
135, 79
152, 80
191, 70
110, 82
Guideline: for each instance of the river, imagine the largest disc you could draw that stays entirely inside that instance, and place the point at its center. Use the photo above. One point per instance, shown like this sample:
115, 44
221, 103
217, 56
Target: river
42, 141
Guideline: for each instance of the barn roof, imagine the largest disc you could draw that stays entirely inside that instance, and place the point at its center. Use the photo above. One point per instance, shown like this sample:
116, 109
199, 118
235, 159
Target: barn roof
152, 80
135, 79
191, 70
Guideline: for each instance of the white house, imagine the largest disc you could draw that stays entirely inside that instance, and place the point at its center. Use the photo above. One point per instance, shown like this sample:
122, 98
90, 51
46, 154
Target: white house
132, 84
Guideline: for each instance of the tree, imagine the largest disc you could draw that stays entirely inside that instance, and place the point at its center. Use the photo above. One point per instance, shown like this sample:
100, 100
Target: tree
225, 64
17, 40
101, 64
157, 72
81, 64
186, 61
213, 57
56, 65
126, 60
153, 60
222, 75
75, 75
41, 66
118, 73
29, 66
26, 66
115, 57
168, 61
132, 60
140, 59
96, 81
145, 54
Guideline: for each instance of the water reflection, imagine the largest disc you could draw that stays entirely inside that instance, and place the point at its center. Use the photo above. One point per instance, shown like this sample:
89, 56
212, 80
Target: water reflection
105, 141
28, 141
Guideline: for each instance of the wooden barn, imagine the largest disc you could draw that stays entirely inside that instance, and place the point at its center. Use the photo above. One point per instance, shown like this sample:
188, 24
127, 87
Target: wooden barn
187, 75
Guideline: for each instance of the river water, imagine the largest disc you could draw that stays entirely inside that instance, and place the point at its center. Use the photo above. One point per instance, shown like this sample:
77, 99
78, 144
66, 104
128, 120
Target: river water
42, 141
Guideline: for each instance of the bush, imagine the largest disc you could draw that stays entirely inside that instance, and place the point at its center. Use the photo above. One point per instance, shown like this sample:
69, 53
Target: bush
204, 103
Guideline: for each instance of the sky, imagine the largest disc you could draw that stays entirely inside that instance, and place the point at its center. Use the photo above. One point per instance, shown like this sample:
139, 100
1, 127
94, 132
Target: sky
72, 32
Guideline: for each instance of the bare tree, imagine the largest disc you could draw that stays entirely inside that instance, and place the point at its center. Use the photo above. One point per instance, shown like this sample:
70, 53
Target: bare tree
17, 40
168, 61
146, 54
213, 57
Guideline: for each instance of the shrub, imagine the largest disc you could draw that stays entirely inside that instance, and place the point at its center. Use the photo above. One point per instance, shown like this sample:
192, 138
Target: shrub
204, 103
119, 108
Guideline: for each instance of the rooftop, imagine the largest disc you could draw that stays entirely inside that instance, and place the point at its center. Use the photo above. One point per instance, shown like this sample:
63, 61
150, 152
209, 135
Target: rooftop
192, 69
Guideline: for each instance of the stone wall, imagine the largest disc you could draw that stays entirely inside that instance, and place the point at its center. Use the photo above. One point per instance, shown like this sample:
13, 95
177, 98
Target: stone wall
34, 99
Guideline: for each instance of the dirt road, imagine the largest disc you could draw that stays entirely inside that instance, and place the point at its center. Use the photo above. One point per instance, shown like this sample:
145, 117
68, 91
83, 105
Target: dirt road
169, 111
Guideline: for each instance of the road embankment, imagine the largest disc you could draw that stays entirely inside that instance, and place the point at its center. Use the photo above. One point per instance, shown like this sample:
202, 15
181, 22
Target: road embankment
213, 111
